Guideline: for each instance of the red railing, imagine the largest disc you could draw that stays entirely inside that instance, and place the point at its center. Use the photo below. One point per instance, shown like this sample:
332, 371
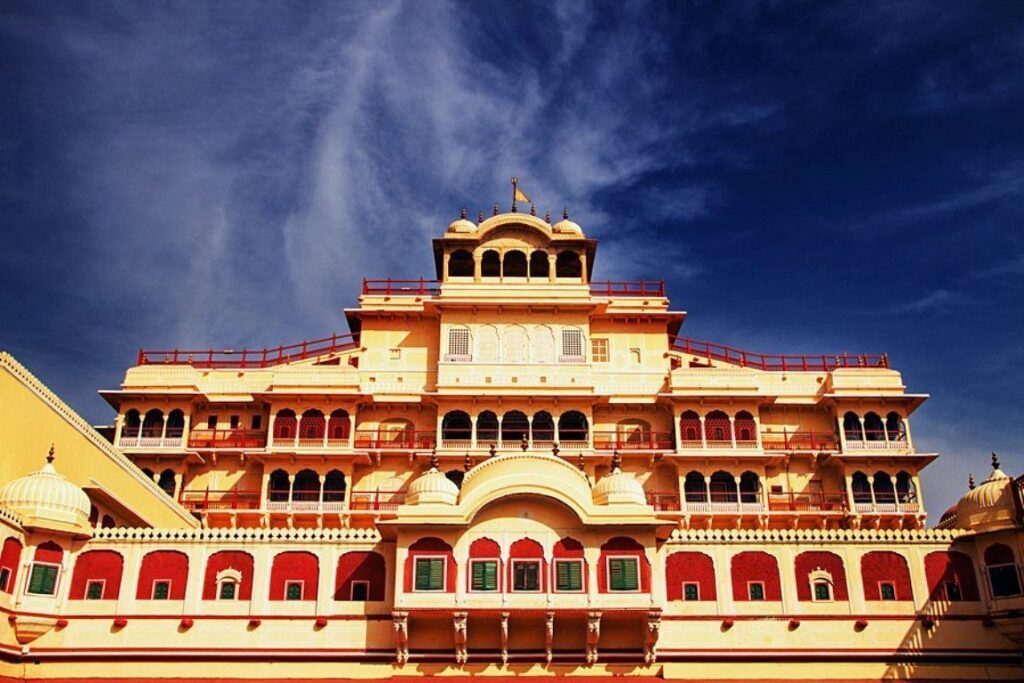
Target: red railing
807, 502
799, 441
655, 288
391, 287
375, 501
766, 361
663, 500
636, 441
221, 500
373, 438
227, 438
250, 358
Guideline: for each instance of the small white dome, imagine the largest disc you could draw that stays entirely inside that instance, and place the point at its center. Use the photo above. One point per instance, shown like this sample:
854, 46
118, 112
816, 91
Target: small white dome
432, 487
48, 500
461, 225
989, 506
566, 226
617, 488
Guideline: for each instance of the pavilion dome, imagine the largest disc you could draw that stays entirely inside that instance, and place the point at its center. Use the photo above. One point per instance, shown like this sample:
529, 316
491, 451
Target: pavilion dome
617, 487
462, 225
48, 500
432, 487
566, 226
988, 506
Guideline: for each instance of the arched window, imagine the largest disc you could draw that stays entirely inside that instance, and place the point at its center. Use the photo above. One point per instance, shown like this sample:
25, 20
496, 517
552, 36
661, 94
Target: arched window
149, 473
132, 424
97, 575
723, 488
1001, 567
861, 488
455, 477
895, 428
486, 428
484, 575
623, 567
689, 429
10, 560
950, 576
294, 575
429, 567
487, 345
818, 572
517, 343
885, 493
490, 264
285, 427
456, 426
527, 567
153, 424
573, 429
874, 430
851, 427
717, 430
278, 491
334, 489
746, 429
906, 492
167, 482
361, 577
514, 264
567, 265
460, 264
175, 425
542, 345
543, 428
539, 266
228, 576
311, 428
690, 576
750, 488
755, 577
339, 427
163, 576
306, 487
514, 426
693, 488
107, 522
44, 572
886, 576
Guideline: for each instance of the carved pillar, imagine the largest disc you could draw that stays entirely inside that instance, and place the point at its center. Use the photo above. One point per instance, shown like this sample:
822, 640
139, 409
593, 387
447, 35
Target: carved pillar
460, 620
549, 635
400, 622
504, 637
593, 636
651, 637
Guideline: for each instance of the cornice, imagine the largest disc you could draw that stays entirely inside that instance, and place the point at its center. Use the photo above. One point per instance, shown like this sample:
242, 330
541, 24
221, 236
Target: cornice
235, 535
824, 536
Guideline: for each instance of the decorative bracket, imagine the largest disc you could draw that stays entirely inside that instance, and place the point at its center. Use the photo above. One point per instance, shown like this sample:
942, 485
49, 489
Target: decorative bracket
593, 636
400, 621
549, 635
651, 637
504, 638
461, 620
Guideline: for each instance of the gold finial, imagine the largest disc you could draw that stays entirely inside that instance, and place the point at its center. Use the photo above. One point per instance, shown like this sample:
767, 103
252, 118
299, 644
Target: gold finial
970, 481
50, 456
995, 461
462, 215
565, 213
616, 461
433, 459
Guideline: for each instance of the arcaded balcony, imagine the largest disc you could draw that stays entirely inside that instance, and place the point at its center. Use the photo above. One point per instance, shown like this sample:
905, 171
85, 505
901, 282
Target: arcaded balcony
311, 430
154, 430
870, 433
718, 431
723, 492
514, 429
878, 493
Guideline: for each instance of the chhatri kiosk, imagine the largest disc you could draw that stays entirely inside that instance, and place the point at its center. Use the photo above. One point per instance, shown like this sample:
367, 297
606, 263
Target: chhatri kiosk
509, 470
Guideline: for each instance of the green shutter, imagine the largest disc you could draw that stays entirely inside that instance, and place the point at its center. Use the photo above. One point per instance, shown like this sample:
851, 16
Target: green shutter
430, 574
94, 591
161, 590
293, 591
623, 573
43, 580
485, 575
568, 575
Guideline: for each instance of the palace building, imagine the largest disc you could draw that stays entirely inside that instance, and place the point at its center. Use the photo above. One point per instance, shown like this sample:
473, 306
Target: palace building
509, 470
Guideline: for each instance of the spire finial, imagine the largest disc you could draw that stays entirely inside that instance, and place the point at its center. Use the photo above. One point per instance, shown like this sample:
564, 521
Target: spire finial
533, 209
433, 460
51, 455
995, 461
547, 217
467, 464
480, 218
565, 213
582, 464
616, 461
554, 449
496, 209
970, 481
463, 213
492, 450
524, 444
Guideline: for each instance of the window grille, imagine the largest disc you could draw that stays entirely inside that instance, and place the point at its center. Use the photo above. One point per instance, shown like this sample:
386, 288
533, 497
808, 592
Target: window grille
458, 344
572, 346
691, 592
599, 350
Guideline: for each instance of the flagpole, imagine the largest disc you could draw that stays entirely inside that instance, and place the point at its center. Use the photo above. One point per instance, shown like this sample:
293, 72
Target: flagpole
515, 186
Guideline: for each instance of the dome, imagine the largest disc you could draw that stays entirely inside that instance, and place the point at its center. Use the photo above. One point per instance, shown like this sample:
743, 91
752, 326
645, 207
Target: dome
989, 506
432, 487
616, 488
461, 225
566, 226
48, 500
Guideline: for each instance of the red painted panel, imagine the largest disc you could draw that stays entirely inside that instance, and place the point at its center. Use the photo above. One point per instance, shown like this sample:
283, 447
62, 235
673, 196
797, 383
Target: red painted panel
885, 566
163, 565
755, 565
10, 557
228, 559
97, 565
568, 547
49, 552
294, 566
429, 546
942, 566
809, 561
360, 566
484, 547
618, 547
690, 567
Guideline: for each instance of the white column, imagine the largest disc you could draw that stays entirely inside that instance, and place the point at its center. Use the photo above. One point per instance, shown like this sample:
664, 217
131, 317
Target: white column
863, 433
871, 485
437, 435
529, 430
500, 434
472, 431
732, 430
676, 429
291, 488
320, 500
163, 430
739, 497
703, 436
118, 427
757, 431
270, 428
557, 436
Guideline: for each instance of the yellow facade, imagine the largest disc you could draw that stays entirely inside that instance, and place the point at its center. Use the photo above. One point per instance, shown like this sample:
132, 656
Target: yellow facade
511, 470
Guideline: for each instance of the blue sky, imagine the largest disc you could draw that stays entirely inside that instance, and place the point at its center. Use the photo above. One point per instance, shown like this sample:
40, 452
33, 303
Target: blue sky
808, 177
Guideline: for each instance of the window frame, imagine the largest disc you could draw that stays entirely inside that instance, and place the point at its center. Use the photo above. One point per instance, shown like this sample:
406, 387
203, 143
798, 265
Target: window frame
5, 577
959, 597
882, 585
352, 590
291, 583
224, 583
691, 584
620, 558
602, 355
450, 355
760, 585
1013, 572
56, 578
819, 582
568, 344
90, 583
497, 574
443, 559
520, 561
153, 587
554, 574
